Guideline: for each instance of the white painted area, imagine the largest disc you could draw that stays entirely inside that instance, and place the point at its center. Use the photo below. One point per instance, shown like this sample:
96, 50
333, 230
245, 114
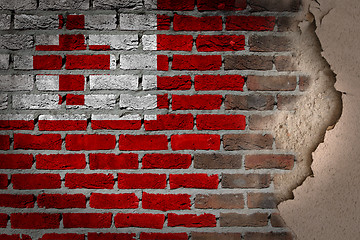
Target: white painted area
118, 42
36, 101
47, 82
3, 101
150, 117
100, 22
138, 102
138, 61
100, 101
100, 117
16, 82
116, 82
23, 62
149, 42
149, 82
112, 62
47, 39
63, 117
138, 22
24, 117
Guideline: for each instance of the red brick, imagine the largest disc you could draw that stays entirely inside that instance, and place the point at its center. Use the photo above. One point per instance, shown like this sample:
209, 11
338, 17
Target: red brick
162, 63
143, 142
190, 23
213, 43
87, 220
47, 62
219, 82
195, 142
176, 5
116, 124
62, 125
163, 22
260, 102
262, 200
111, 236
166, 161
40, 142
304, 83
113, 161
212, 5
36, 181
17, 201
62, 236
66, 43
141, 181
144, 220
191, 220
61, 201
215, 236
162, 101
114, 201
246, 181
220, 122
170, 122
90, 181
4, 182
4, 218
14, 237
233, 142
174, 42
16, 125
196, 62
248, 62
217, 161
16, 161
4, 142
219, 201
166, 202
75, 22
173, 83
163, 236
274, 5
243, 220
90, 142
60, 161
72, 99
269, 161
268, 236
277, 221
196, 102
74, 62
196, 180
250, 23
270, 43
35, 220
260, 122
271, 83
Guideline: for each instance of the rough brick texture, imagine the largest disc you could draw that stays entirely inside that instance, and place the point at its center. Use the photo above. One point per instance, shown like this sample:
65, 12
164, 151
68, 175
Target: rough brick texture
144, 119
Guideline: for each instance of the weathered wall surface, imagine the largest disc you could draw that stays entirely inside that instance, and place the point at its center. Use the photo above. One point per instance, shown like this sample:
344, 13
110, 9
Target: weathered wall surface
326, 205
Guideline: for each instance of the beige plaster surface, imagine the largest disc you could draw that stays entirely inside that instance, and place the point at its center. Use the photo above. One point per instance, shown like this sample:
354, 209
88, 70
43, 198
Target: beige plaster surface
326, 205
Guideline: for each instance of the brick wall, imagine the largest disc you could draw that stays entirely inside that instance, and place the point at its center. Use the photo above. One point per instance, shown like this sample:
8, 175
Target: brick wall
144, 120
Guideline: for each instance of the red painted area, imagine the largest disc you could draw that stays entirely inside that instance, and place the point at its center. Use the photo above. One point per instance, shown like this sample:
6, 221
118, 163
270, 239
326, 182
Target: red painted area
17, 201
61, 21
162, 63
113, 161
219, 82
4, 182
143, 142
75, 22
71, 83
250, 23
162, 101
213, 43
191, 220
163, 236
114, 201
212, 5
16, 125
60, 161
4, 143
183, 5
111, 236
89, 142
196, 180
99, 47
62, 125
61, 201
116, 124
163, 22
14, 237
195, 142
196, 62
144, 220
190, 23
47, 62
36, 181
16, 161
35, 220
72, 99
170, 122
166, 161
173, 83
62, 236
196, 102
220, 122
40, 142
74, 62
66, 43
166, 202
141, 181
4, 218
89, 181
87, 220
174, 42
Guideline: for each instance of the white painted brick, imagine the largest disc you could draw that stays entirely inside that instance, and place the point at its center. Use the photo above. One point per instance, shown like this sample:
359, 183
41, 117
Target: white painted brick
149, 42
25, 21
149, 82
115, 4
4, 61
150, 117
138, 102
25, 117
138, 22
118, 82
151, 4
97, 102
23, 62
63, 4
5, 21
47, 39
118, 42
16, 82
138, 61
16, 42
115, 117
3, 101
18, 4
112, 62
63, 117
100, 22
35, 101
47, 82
